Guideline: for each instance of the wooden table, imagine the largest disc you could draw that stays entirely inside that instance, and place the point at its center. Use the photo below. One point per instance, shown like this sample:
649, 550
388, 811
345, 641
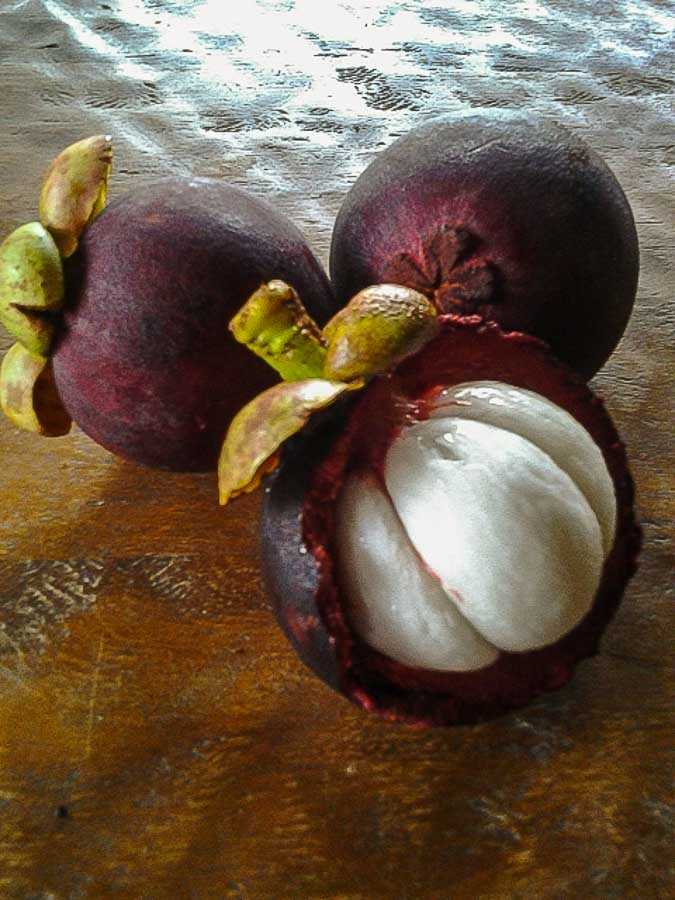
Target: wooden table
158, 738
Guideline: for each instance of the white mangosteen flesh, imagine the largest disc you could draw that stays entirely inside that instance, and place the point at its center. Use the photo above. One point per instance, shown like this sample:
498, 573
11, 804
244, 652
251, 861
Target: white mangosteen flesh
489, 533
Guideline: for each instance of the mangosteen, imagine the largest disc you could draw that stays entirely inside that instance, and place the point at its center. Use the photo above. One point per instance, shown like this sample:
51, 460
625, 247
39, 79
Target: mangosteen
145, 363
503, 215
126, 308
452, 536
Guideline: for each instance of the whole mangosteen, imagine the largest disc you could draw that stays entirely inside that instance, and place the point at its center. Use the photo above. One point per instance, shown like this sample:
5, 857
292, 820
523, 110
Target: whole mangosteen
507, 216
144, 361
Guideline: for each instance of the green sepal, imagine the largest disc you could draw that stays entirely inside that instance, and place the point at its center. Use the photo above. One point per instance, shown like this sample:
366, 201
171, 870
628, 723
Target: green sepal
379, 327
28, 394
257, 432
74, 190
31, 286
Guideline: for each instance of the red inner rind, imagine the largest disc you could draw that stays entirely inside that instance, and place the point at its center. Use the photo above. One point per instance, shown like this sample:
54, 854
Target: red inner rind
467, 349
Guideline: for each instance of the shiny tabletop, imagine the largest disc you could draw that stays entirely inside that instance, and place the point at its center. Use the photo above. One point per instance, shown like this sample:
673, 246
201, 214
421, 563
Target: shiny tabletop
158, 737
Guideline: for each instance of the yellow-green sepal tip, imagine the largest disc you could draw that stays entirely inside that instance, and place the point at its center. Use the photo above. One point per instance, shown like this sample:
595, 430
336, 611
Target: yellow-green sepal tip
74, 190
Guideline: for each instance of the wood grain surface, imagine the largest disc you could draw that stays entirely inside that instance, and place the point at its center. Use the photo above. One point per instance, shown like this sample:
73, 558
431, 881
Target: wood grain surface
158, 739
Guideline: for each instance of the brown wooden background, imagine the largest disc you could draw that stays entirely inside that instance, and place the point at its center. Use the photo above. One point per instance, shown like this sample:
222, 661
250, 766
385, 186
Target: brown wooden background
157, 737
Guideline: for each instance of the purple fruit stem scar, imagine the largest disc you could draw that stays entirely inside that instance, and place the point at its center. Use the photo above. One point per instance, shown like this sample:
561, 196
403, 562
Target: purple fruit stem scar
449, 272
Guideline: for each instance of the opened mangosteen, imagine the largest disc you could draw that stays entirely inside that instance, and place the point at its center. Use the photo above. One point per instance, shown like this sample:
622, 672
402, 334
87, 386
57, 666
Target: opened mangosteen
451, 537
506, 216
140, 351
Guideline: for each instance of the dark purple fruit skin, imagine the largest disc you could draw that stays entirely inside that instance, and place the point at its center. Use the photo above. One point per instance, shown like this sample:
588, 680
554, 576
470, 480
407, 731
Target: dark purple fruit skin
504, 215
299, 572
291, 573
145, 363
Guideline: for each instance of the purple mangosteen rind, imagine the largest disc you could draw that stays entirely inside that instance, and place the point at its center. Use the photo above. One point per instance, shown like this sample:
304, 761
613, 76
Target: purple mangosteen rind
298, 555
504, 215
291, 573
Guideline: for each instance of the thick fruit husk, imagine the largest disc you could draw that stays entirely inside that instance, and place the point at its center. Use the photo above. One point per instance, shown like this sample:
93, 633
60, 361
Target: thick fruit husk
299, 521
505, 216
146, 364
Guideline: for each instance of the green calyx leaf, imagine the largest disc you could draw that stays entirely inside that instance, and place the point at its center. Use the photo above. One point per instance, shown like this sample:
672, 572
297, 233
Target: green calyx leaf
275, 325
379, 327
251, 448
31, 286
28, 394
74, 190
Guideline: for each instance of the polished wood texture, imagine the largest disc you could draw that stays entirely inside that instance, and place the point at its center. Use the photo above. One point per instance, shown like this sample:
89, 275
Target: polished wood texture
157, 736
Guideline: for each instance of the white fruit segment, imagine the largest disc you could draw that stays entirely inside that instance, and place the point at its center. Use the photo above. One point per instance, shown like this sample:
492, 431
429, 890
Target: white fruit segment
485, 542
395, 603
548, 426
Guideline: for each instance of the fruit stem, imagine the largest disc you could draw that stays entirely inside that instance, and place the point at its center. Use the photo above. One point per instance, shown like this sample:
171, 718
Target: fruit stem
275, 325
